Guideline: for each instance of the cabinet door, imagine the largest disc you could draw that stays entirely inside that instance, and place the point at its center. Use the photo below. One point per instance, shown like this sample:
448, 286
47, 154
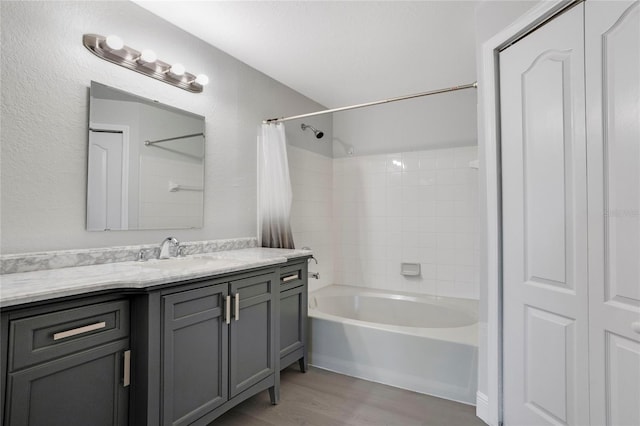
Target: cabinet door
251, 340
82, 389
292, 325
194, 366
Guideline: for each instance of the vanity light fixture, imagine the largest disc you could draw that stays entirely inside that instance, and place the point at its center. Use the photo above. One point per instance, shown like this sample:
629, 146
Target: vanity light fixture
147, 56
201, 79
176, 70
112, 49
113, 42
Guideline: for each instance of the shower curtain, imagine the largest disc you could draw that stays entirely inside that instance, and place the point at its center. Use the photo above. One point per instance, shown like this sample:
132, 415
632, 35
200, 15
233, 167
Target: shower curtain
274, 188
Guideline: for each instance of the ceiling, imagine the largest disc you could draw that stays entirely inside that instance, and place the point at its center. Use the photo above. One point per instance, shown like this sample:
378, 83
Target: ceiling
339, 52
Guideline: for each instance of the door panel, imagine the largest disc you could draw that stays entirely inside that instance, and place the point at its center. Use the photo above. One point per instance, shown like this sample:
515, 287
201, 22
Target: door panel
623, 386
291, 321
620, 45
547, 371
544, 93
77, 390
105, 182
545, 290
252, 339
195, 362
612, 60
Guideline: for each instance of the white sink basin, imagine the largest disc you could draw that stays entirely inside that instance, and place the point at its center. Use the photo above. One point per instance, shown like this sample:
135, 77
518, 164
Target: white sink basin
190, 262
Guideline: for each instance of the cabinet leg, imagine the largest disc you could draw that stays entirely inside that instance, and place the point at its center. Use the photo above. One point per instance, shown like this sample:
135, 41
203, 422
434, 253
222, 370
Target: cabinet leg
302, 362
274, 395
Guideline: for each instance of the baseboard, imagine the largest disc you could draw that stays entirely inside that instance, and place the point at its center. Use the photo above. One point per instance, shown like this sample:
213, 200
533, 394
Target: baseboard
482, 407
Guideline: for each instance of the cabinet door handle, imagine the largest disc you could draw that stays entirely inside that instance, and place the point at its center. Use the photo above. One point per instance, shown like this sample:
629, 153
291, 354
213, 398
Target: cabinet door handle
290, 278
126, 378
228, 310
237, 315
79, 330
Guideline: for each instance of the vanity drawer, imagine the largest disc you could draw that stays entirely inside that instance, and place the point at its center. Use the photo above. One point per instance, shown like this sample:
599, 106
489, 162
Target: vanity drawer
292, 276
52, 335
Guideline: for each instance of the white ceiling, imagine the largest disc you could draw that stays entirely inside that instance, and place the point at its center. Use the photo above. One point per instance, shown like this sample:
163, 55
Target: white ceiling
339, 52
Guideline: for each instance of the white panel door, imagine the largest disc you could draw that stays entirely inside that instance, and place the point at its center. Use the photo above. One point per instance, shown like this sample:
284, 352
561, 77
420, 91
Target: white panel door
104, 181
545, 289
612, 38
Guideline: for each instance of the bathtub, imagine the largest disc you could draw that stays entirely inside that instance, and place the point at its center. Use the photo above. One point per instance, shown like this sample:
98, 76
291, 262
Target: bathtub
423, 343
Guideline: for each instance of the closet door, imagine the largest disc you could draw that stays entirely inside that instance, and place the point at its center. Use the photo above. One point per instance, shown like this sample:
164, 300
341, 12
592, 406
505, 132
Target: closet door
545, 290
612, 31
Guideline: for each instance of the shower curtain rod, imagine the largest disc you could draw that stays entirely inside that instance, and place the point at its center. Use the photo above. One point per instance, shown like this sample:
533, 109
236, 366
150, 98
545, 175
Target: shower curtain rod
473, 85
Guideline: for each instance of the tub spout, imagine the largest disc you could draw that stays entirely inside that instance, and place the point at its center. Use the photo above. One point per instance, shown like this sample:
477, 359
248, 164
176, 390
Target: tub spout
311, 258
315, 275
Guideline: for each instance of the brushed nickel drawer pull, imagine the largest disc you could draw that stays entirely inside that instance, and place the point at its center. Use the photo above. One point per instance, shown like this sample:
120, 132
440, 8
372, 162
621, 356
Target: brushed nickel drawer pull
228, 310
79, 330
126, 379
237, 306
290, 278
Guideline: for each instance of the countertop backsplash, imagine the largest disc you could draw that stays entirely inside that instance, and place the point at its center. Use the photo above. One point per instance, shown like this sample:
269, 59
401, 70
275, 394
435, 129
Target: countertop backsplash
28, 262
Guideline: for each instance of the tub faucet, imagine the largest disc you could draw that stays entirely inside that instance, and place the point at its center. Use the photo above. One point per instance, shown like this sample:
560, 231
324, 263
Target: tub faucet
165, 247
315, 275
311, 258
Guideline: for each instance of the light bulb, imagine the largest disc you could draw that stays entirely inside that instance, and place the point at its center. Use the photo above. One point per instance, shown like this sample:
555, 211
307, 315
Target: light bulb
114, 42
148, 56
202, 80
177, 69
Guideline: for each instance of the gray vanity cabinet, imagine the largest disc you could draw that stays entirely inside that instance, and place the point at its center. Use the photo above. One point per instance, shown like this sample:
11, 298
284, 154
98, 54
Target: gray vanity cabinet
180, 353
218, 346
293, 315
252, 334
68, 366
194, 370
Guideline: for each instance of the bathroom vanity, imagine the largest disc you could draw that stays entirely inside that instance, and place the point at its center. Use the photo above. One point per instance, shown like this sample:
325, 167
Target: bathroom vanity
175, 342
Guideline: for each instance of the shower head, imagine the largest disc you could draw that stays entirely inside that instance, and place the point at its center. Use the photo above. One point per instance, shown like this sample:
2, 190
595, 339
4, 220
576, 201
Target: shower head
319, 134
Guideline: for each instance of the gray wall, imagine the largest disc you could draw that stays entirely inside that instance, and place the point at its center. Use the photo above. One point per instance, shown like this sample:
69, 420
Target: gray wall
439, 121
46, 73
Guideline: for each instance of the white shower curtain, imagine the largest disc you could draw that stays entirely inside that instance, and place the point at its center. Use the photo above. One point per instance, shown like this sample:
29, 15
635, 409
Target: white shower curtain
274, 188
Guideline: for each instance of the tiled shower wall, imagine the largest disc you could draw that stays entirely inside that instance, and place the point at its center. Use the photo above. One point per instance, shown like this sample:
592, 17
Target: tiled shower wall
420, 207
311, 184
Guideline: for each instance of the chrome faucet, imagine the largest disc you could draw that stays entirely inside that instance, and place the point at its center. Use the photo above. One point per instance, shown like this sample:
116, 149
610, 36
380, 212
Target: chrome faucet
165, 247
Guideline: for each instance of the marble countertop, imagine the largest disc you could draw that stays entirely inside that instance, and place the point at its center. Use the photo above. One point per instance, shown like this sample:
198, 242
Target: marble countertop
27, 287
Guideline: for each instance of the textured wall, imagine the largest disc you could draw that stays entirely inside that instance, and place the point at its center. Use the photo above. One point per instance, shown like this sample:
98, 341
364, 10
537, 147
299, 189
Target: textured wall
46, 73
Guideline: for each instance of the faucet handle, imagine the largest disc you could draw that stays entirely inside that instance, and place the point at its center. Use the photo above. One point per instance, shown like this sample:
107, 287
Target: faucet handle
180, 251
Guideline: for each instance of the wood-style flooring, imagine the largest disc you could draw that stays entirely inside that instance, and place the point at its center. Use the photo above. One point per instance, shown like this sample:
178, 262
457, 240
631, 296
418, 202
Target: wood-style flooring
323, 398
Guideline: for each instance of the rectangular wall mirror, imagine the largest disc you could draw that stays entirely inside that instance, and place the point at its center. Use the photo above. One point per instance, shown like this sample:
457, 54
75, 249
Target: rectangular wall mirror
145, 163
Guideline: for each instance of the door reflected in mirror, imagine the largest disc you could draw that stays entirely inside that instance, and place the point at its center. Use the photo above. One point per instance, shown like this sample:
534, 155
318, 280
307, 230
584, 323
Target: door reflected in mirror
145, 163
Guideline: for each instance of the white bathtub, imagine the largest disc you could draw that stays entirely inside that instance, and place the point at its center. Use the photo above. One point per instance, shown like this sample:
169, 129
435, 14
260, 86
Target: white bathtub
422, 343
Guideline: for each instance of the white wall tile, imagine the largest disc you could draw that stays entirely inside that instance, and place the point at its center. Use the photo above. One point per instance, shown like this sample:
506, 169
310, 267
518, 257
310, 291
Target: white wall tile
407, 207
313, 212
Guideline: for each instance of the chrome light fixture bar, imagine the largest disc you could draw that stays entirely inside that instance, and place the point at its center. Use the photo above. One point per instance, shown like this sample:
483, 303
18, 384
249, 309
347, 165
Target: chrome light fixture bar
112, 49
